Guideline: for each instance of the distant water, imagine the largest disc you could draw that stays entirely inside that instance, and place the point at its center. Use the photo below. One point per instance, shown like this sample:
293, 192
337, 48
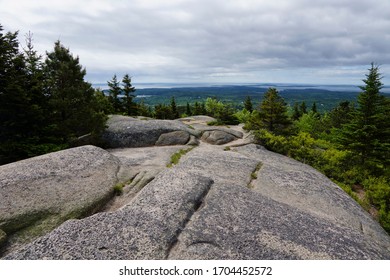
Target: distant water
279, 86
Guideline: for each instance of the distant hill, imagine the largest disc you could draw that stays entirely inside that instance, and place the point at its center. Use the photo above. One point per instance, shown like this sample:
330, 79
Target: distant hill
326, 97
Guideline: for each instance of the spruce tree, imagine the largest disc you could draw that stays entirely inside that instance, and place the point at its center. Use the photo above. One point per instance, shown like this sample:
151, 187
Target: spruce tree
14, 104
75, 110
248, 104
273, 113
188, 110
297, 112
367, 135
174, 111
129, 106
114, 92
303, 108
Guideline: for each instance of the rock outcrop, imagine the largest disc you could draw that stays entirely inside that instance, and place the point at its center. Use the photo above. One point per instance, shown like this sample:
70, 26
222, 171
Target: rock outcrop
239, 203
210, 206
127, 132
40, 193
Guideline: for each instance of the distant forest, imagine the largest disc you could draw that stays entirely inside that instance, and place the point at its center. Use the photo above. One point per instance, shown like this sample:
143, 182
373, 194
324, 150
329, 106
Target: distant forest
46, 105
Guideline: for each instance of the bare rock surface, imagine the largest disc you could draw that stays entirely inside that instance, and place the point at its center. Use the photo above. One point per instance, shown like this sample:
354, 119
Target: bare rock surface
40, 193
145, 229
138, 167
240, 221
127, 132
234, 202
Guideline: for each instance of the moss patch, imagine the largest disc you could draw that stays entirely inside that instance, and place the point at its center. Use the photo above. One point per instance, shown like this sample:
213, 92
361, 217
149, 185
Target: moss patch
175, 158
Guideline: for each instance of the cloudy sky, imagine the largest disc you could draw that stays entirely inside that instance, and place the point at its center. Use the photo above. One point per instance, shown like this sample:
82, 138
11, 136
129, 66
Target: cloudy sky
214, 41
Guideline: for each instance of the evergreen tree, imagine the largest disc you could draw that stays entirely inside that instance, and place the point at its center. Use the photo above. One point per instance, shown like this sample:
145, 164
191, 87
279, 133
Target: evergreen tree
248, 104
188, 110
114, 92
128, 90
197, 109
75, 110
174, 112
340, 115
297, 112
162, 112
303, 108
14, 100
367, 135
144, 110
314, 108
273, 113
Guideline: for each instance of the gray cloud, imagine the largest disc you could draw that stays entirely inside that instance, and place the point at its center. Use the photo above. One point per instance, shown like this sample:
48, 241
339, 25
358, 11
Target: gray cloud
213, 40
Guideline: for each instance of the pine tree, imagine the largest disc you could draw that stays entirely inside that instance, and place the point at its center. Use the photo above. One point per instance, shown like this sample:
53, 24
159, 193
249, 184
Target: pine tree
273, 113
297, 112
367, 135
314, 108
188, 110
175, 113
75, 110
303, 108
248, 104
129, 106
14, 104
114, 92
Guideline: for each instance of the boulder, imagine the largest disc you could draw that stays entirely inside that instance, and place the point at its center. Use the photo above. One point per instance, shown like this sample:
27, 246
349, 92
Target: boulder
218, 137
173, 138
127, 132
40, 193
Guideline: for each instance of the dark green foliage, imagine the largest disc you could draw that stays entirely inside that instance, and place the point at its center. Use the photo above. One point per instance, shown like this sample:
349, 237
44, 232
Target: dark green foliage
297, 112
224, 113
174, 112
44, 106
188, 110
367, 134
199, 109
75, 110
272, 114
341, 114
163, 112
114, 92
303, 108
248, 104
128, 105
144, 110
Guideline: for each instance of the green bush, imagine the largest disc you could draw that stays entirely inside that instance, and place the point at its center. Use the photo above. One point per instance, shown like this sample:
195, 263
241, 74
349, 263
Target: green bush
378, 193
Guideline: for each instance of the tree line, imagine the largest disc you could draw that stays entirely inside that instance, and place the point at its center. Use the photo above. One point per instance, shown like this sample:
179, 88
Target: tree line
45, 104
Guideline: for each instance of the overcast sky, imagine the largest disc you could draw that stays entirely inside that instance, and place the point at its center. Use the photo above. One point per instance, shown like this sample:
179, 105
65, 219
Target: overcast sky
216, 41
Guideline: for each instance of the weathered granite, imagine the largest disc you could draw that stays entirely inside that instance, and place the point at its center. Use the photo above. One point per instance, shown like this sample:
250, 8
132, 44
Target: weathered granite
237, 223
144, 229
217, 137
245, 203
127, 132
173, 138
38, 194
242, 220
291, 182
3, 237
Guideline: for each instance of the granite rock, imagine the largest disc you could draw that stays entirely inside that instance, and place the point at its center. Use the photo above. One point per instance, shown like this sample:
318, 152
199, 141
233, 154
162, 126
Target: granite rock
40, 193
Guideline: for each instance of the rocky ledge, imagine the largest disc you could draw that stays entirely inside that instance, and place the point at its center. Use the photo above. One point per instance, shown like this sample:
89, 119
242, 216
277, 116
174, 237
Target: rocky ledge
238, 201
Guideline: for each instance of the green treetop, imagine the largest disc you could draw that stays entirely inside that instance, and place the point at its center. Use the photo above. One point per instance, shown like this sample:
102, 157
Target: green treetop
367, 135
273, 113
